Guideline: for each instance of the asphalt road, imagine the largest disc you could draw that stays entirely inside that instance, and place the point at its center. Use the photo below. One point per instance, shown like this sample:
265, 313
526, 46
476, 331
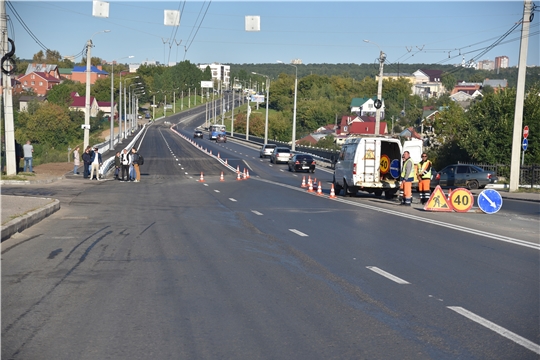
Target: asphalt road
176, 268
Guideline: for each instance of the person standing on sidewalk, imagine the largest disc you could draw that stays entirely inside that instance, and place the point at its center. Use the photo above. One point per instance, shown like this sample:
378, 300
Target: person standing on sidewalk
96, 162
76, 161
424, 178
28, 149
407, 178
135, 162
87, 159
125, 161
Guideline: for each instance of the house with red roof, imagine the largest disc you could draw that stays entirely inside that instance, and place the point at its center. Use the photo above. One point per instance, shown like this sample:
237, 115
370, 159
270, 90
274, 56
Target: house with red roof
105, 106
360, 125
38, 82
79, 104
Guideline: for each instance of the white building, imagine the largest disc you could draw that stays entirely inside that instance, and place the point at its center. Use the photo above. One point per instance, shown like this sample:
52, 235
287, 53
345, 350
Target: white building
220, 74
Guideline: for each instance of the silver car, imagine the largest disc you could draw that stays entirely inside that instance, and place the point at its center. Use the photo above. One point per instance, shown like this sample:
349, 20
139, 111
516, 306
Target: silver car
280, 155
267, 150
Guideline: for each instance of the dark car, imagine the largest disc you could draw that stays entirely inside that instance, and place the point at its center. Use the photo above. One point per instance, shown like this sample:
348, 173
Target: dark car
468, 176
198, 134
221, 138
302, 162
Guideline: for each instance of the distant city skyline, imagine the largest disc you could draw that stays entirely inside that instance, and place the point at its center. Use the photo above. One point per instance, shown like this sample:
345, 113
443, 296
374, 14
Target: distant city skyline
433, 32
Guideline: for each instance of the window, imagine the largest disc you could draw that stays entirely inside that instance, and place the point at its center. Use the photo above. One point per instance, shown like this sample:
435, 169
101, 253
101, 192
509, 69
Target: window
41, 83
33, 83
463, 169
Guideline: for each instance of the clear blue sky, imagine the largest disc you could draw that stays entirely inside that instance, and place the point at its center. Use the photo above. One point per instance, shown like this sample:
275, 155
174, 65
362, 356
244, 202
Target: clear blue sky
313, 31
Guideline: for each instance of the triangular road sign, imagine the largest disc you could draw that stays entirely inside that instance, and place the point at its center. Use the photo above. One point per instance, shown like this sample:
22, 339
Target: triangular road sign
438, 201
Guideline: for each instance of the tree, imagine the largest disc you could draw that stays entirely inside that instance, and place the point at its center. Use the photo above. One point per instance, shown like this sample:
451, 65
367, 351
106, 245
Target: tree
50, 124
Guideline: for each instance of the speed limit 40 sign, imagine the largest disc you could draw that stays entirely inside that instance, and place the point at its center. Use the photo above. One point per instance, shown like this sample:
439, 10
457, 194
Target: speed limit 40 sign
461, 200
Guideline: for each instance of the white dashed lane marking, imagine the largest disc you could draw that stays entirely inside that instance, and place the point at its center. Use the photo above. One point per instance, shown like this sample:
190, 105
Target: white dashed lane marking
387, 275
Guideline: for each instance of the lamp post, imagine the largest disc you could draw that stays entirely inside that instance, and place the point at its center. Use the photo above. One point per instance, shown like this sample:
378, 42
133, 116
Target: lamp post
131, 106
267, 101
125, 106
111, 142
87, 95
293, 146
378, 102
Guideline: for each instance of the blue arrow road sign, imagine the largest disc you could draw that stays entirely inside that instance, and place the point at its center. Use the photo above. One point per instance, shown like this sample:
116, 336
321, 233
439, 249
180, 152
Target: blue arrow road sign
525, 144
489, 201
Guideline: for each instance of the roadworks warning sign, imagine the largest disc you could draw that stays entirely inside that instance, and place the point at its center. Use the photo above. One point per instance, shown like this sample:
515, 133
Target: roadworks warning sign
438, 201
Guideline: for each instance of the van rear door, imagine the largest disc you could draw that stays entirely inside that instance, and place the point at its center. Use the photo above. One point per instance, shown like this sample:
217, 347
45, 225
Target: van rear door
367, 167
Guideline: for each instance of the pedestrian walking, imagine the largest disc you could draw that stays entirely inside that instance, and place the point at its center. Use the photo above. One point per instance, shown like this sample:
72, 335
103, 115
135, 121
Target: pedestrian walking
76, 161
135, 162
95, 162
117, 165
407, 178
87, 159
424, 178
28, 149
125, 160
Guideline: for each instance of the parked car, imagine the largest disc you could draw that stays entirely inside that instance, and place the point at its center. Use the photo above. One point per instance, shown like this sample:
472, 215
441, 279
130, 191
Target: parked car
221, 138
280, 154
267, 150
198, 134
302, 162
468, 176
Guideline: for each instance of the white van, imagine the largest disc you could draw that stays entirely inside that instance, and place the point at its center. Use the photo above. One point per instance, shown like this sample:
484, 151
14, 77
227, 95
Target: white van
372, 164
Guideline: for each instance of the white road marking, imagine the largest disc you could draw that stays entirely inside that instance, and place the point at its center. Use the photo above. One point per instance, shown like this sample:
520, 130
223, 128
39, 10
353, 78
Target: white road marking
233, 200
388, 275
216, 191
498, 329
205, 184
256, 212
298, 232
456, 227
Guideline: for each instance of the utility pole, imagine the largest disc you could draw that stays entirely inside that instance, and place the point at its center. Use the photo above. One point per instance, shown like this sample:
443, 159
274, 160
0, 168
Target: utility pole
378, 104
87, 95
9, 127
520, 96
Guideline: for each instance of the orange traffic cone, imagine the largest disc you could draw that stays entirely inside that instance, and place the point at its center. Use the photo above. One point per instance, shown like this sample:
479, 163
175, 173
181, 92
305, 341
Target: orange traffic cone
310, 186
238, 169
221, 177
218, 155
247, 174
244, 174
238, 176
226, 162
319, 189
332, 192
303, 182
202, 177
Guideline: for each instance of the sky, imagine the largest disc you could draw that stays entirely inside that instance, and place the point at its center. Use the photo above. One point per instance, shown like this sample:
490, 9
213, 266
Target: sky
315, 32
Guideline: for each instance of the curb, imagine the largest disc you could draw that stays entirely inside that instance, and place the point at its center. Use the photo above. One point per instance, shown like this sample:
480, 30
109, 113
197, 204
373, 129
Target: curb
33, 217
28, 182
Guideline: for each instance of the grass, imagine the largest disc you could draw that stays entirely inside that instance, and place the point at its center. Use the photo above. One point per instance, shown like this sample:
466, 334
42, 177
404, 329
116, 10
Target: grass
22, 176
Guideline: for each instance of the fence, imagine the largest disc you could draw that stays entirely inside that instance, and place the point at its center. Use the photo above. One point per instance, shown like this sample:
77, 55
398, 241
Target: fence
528, 175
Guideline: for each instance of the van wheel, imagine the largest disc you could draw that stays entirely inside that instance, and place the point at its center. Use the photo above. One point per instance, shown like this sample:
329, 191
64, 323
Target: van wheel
346, 191
378, 193
389, 194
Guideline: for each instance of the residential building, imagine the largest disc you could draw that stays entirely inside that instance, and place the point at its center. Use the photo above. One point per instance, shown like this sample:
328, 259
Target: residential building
428, 83
352, 124
396, 76
37, 82
96, 72
502, 62
65, 73
79, 104
467, 88
496, 84
486, 65
49, 69
24, 100
366, 107
220, 74
105, 106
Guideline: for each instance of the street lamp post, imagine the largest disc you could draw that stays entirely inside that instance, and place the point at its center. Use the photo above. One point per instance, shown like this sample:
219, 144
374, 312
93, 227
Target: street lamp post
87, 95
378, 103
293, 146
125, 107
267, 100
111, 142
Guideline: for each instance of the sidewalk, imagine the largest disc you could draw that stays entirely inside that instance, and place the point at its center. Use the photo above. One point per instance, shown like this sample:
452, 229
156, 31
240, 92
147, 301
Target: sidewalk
21, 212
